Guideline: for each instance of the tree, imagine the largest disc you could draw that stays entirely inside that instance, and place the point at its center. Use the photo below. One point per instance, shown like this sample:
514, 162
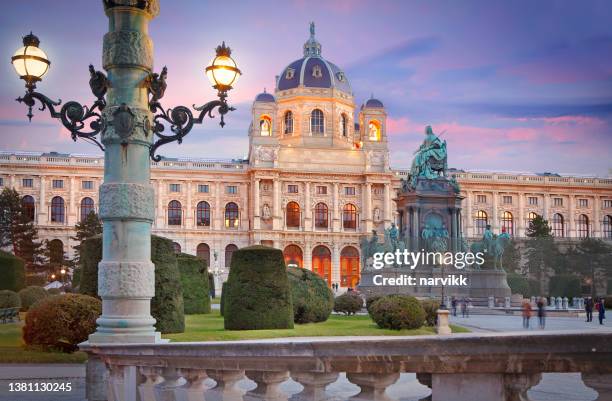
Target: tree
512, 257
591, 259
88, 228
538, 228
542, 252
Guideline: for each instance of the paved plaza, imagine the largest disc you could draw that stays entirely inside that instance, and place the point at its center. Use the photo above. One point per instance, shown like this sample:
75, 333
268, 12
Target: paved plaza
508, 323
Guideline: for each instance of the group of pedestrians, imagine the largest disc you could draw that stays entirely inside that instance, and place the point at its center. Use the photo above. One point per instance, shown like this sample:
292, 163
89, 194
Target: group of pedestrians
599, 306
541, 311
465, 304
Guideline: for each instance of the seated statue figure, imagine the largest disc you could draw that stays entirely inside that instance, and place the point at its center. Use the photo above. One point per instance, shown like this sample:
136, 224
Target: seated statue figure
430, 160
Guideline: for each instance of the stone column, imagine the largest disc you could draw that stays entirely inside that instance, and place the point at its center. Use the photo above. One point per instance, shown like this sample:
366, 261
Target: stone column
307, 254
388, 205
546, 206
520, 232
335, 264
160, 204
368, 207
189, 209
469, 232
73, 216
495, 217
256, 207
126, 276
307, 224
571, 218
597, 217
42, 202
276, 212
218, 213
335, 218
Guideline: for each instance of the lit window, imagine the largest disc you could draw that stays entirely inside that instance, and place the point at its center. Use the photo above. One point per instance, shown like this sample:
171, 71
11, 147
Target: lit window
57, 210
87, 184
289, 73
607, 226
317, 122
87, 206
321, 215
583, 203
321, 190
175, 187
481, 198
349, 191
231, 189
203, 188
265, 126
506, 199
558, 226
58, 184
533, 200
531, 217
175, 213
203, 214
293, 215
349, 217
292, 189
231, 215
27, 183
507, 223
481, 222
557, 201
344, 125
317, 72
374, 130
288, 123
27, 203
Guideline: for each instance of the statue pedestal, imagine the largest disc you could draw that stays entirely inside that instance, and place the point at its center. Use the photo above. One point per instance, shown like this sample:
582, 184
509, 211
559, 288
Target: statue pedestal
488, 283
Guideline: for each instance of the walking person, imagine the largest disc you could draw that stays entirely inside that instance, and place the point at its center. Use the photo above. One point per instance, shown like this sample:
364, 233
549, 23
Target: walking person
463, 307
601, 310
454, 306
541, 312
588, 307
526, 313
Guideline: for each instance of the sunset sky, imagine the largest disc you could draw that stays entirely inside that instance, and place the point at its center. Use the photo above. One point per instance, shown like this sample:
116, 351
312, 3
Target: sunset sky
515, 85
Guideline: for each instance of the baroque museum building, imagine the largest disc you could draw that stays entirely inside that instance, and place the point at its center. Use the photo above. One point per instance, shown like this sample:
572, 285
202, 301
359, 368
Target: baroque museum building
317, 179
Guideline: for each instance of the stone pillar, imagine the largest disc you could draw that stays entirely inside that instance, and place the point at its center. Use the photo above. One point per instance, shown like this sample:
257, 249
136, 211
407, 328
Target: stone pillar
268, 386
571, 218
314, 385
335, 264
256, 206
308, 221
442, 327
307, 254
73, 216
388, 205
520, 232
597, 218
373, 385
335, 215
495, 217
546, 207
218, 213
276, 208
42, 202
126, 275
469, 218
189, 213
367, 202
161, 218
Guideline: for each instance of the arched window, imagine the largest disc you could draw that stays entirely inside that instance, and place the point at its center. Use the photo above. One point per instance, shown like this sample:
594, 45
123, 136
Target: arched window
203, 251
374, 130
288, 123
507, 223
177, 247
349, 267
265, 126
27, 203
317, 122
349, 217
87, 206
558, 226
293, 215
321, 215
56, 252
481, 222
344, 125
321, 262
203, 214
57, 209
607, 226
231, 215
583, 226
229, 252
175, 213
293, 256
531, 217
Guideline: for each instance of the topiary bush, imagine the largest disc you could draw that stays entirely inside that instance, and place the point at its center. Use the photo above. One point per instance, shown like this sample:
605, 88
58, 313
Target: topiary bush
9, 299
222, 301
167, 304
194, 281
312, 299
398, 312
61, 322
257, 295
564, 286
430, 306
54, 291
30, 295
35, 279
370, 301
211, 284
12, 272
348, 303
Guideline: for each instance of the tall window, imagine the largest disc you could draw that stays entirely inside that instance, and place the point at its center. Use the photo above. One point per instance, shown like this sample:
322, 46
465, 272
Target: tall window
321, 215
317, 122
27, 203
530, 217
177, 247
558, 225
293, 256
265, 126
87, 206
229, 252
203, 251
293, 215
203, 214
57, 209
607, 226
344, 125
507, 223
583, 226
349, 267
374, 130
288, 123
231, 215
175, 213
349, 217
481, 222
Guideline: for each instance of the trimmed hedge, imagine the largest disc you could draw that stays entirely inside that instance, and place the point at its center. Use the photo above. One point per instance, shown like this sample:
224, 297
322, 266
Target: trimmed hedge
348, 303
430, 306
167, 304
312, 299
54, 291
9, 299
61, 322
30, 295
222, 301
257, 295
370, 301
12, 272
194, 280
564, 286
35, 279
398, 312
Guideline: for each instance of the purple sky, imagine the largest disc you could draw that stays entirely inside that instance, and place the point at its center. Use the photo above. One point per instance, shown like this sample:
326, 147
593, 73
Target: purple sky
520, 86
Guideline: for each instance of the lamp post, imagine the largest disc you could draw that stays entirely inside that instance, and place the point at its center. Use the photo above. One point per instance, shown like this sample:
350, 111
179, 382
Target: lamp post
128, 116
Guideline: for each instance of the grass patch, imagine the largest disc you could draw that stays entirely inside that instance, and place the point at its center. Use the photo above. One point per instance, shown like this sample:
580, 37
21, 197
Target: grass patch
216, 300
209, 327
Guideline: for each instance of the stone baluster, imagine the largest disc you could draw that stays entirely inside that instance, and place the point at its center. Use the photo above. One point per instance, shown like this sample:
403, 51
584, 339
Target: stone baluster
166, 390
600, 383
442, 327
425, 380
193, 389
97, 379
153, 377
122, 384
227, 385
516, 385
564, 302
268, 383
373, 385
314, 385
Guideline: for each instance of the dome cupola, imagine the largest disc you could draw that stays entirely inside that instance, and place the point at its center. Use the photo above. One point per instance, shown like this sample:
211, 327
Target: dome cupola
265, 97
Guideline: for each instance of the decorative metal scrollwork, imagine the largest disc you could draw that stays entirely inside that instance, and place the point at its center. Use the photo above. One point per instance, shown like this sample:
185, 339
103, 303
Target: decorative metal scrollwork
180, 118
73, 115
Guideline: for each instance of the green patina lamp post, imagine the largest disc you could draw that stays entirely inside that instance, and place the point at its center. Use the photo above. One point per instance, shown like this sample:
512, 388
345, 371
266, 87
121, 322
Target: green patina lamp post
130, 120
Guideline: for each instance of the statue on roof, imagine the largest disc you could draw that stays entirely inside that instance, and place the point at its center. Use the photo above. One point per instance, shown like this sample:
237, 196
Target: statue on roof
312, 28
430, 160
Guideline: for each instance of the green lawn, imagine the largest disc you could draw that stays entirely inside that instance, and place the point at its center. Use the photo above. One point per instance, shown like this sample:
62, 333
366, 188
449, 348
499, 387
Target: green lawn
210, 328
216, 300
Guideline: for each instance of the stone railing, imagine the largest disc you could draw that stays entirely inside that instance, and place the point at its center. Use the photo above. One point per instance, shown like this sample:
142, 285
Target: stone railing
491, 366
